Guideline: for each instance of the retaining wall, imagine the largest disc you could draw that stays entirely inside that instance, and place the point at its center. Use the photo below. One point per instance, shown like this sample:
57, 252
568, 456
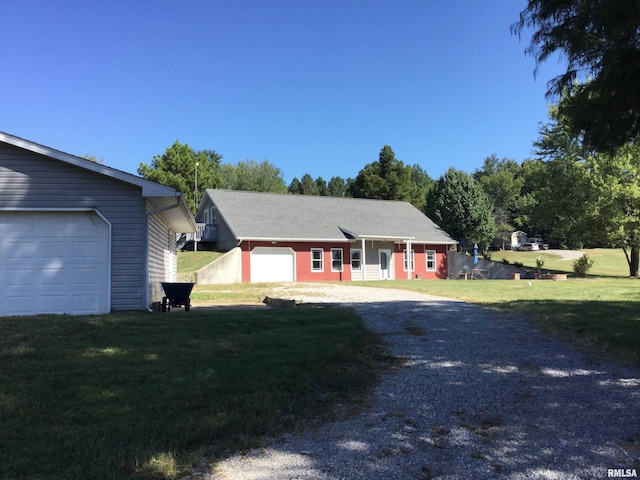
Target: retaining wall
456, 263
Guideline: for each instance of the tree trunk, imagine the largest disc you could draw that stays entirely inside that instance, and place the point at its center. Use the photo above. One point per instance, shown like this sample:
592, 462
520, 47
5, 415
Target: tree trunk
634, 260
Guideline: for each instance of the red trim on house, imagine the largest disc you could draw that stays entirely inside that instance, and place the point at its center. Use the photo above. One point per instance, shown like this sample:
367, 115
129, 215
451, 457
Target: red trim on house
305, 273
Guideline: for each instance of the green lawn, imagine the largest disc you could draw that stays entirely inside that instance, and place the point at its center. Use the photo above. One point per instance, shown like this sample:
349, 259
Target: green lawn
145, 396
608, 262
193, 261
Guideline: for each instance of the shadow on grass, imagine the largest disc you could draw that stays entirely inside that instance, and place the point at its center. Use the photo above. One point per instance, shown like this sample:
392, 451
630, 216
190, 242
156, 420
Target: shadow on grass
146, 396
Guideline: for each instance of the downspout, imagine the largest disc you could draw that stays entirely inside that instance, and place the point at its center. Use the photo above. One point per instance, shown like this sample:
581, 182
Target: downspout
146, 248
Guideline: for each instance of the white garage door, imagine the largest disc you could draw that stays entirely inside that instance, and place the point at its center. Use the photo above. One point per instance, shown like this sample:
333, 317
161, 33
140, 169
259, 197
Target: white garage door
272, 264
53, 262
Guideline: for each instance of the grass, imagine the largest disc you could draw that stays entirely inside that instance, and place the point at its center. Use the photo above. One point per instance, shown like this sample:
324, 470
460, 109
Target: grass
608, 262
144, 396
193, 261
241, 293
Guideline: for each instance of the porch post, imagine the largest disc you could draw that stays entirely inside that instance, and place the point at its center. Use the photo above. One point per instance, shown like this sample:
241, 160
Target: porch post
364, 260
408, 247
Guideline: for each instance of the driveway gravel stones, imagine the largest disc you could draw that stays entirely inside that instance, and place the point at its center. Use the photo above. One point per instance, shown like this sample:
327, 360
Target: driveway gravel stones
477, 396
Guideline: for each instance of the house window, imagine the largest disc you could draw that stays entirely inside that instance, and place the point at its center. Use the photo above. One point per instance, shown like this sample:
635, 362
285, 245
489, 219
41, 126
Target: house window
356, 260
336, 259
405, 261
431, 260
317, 262
207, 216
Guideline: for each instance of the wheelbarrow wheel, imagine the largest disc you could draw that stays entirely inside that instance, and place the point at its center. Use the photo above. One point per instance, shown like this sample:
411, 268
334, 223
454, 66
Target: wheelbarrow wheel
164, 304
187, 306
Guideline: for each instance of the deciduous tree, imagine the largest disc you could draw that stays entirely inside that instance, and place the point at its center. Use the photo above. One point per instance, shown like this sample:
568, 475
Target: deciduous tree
601, 43
589, 197
250, 175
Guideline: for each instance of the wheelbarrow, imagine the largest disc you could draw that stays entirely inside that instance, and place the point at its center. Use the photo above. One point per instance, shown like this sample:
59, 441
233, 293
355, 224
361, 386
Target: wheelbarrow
177, 295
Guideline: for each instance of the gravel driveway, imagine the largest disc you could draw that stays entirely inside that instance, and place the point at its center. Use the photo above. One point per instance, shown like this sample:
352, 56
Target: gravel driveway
479, 396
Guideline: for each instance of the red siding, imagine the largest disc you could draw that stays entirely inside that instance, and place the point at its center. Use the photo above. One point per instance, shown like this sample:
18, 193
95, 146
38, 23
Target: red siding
420, 261
303, 260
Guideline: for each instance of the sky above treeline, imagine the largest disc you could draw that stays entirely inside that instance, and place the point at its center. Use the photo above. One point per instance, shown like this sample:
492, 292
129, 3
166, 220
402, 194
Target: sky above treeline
312, 86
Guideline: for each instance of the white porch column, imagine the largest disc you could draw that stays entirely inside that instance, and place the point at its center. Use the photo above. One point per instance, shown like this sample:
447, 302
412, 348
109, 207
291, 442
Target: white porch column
364, 261
408, 247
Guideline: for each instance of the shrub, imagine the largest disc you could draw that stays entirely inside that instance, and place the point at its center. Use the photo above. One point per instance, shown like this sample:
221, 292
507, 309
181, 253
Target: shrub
505, 261
518, 264
582, 265
539, 261
487, 255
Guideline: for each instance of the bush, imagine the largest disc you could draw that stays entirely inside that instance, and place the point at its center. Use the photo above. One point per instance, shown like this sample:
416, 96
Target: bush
518, 264
540, 261
487, 255
582, 265
505, 261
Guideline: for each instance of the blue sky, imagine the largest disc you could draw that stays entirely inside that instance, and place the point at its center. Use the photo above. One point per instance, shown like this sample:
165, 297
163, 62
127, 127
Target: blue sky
313, 86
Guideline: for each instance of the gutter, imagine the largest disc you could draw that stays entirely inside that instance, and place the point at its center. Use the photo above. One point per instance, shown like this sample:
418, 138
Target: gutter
169, 207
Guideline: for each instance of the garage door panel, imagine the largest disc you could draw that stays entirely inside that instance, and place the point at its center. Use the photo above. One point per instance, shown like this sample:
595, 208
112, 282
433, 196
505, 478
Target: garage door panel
85, 303
272, 264
54, 262
18, 277
47, 250
55, 276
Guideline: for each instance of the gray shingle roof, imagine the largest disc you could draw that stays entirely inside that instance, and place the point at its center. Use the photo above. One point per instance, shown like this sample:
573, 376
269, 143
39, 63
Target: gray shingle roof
273, 216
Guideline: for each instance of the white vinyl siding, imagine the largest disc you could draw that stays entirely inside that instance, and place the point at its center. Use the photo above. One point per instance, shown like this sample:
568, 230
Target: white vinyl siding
163, 257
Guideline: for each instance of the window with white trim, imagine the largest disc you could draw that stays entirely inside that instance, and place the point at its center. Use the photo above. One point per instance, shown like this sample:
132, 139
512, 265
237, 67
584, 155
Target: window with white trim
317, 260
356, 260
431, 260
336, 259
405, 260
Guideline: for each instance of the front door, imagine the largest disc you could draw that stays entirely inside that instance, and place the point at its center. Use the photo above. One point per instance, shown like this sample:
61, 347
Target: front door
385, 269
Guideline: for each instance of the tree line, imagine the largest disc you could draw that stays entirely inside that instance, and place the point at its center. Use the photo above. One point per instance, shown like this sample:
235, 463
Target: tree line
568, 194
582, 188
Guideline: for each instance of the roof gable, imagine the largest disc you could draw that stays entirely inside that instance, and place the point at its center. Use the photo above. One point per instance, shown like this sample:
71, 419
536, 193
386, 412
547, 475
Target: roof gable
272, 216
164, 200
149, 188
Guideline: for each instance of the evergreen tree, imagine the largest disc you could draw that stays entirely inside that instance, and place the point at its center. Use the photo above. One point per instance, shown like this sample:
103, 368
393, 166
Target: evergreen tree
176, 168
460, 206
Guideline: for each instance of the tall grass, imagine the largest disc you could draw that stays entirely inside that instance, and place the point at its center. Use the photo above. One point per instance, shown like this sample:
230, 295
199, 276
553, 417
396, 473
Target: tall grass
145, 396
